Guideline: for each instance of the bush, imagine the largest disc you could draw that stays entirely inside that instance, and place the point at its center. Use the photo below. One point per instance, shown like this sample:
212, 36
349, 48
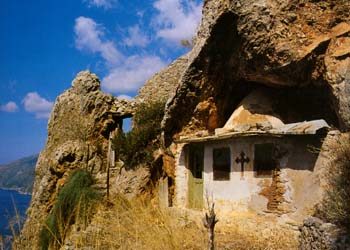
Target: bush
73, 202
336, 205
137, 146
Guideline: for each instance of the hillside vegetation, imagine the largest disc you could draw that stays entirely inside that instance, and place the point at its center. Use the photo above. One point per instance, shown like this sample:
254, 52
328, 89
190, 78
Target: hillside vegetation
138, 224
75, 203
137, 146
19, 175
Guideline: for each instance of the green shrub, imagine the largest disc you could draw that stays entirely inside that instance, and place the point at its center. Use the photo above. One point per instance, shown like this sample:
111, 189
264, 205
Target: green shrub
336, 205
137, 146
73, 202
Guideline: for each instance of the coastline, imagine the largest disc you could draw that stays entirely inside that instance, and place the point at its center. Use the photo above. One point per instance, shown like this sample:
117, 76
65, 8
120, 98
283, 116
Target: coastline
12, 205
18, 190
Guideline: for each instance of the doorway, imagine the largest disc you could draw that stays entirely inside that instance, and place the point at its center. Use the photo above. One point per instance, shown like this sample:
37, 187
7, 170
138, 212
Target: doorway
195, 180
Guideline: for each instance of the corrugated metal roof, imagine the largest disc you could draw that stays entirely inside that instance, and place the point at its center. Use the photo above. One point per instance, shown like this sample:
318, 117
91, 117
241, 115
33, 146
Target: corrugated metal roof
300, 128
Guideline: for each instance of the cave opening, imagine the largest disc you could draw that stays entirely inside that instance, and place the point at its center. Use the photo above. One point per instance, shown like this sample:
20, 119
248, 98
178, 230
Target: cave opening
127, 124
291, 104
225, 80
221, 76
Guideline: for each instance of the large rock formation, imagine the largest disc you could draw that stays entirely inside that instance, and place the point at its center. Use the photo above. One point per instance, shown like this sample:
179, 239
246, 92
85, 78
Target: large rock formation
300, 48
78, 133
163, 84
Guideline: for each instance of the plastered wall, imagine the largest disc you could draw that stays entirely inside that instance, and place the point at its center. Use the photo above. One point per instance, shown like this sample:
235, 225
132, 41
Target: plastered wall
297, 178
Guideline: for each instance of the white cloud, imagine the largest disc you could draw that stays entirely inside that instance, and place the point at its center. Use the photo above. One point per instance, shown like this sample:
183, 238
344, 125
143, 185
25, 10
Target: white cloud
38, 105
89, 35
136, 37
9, 107
132, 74
45, 115
125, 97
107, 4
126, 73
140, 13
177, 19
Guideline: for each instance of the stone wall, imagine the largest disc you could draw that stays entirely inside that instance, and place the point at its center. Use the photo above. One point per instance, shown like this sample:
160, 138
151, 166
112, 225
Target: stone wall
315, 234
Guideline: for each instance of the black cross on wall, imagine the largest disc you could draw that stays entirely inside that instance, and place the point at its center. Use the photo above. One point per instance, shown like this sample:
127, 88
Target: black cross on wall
242, 159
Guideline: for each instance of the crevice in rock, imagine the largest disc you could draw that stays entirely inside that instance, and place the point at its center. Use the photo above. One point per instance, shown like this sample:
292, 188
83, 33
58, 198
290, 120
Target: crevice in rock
206, 75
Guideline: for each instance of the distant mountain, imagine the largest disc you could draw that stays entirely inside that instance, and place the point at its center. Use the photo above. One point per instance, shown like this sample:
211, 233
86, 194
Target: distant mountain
19, 175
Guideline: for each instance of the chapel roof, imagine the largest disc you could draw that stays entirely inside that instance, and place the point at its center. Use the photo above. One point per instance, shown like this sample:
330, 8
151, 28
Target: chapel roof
256, 116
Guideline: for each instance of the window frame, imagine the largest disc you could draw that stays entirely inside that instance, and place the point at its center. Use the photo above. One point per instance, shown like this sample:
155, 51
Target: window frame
261, 172
224, 171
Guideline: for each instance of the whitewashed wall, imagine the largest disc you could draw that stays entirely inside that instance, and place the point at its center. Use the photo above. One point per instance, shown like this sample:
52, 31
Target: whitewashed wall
240, 195
181, 177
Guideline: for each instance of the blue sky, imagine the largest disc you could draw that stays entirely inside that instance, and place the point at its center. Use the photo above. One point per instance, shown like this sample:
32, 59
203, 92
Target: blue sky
45, 43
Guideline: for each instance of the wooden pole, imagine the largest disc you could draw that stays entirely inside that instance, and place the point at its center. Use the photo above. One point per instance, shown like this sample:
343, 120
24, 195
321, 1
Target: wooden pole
209, 222
108, 162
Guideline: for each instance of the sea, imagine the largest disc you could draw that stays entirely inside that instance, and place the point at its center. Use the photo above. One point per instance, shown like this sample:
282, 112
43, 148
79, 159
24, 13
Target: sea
10, 201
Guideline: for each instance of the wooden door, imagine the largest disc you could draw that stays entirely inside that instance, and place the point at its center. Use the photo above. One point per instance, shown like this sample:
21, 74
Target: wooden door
195, 180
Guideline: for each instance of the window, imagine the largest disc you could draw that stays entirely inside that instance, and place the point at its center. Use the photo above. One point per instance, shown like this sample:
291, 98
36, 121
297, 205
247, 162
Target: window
264, 163
221, 164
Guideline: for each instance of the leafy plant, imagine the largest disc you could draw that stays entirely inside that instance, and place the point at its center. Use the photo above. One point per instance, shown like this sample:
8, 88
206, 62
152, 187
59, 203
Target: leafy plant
137, 146
73, 203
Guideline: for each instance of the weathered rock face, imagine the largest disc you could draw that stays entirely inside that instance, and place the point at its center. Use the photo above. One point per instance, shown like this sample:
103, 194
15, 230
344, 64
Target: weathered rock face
78, 133
163, 84
315, 234
300, 48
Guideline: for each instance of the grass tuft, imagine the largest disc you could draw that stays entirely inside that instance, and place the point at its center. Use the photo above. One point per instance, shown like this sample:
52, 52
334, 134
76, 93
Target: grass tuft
72, 205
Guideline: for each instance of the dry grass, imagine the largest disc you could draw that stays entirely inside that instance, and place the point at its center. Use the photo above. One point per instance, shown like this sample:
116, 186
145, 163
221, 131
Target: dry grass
15, 223
2, 245
252, 232
73, 205
336, 205
138, 225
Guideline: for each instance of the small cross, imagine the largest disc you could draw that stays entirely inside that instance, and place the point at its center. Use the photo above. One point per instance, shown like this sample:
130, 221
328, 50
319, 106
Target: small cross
242, 159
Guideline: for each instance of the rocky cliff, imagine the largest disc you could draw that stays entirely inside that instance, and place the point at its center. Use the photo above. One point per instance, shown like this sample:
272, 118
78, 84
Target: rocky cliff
78, 134
163, 84
300, 48
297, 51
